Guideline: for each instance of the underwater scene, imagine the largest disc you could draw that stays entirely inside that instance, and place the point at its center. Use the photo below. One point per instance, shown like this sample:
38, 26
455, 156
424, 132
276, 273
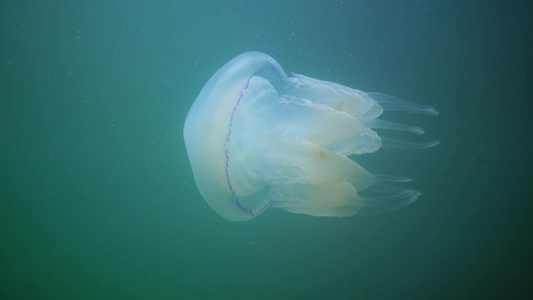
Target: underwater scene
307, 149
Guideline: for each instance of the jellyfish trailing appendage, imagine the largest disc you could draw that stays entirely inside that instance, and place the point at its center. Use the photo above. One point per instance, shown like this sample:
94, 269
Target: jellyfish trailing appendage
257, 138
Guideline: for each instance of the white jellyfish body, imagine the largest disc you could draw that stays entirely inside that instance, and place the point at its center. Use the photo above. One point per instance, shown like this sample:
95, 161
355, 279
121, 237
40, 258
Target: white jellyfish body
257, 138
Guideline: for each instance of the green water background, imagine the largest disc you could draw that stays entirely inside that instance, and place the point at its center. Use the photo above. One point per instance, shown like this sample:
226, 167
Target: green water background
97, 198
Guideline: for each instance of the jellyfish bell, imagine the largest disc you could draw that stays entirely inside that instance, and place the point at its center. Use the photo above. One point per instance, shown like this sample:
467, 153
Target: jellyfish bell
257, 138
208, 135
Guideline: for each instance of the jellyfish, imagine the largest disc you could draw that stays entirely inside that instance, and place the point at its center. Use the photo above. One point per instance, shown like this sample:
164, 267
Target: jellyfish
258, 138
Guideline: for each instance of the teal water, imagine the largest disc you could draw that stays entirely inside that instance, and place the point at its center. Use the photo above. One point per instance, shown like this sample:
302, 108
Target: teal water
97, 198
